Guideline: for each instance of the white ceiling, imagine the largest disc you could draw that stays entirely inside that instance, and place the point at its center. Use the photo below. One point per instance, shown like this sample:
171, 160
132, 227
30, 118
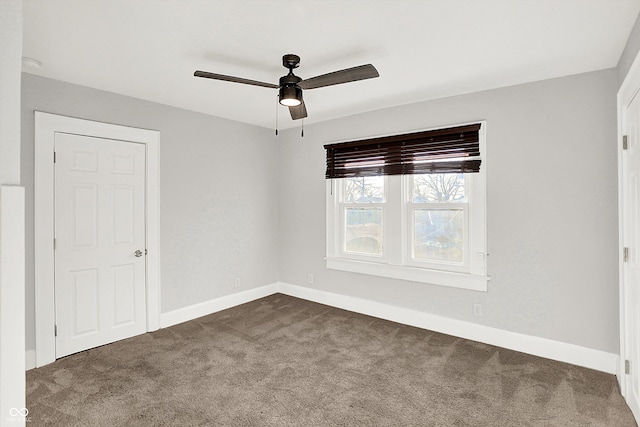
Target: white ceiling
423, 49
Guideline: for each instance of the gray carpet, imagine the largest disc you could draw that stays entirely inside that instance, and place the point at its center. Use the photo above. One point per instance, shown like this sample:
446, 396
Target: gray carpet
282, 361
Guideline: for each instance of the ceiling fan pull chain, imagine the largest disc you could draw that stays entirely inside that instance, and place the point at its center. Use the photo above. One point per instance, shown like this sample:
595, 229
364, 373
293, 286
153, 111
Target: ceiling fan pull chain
277, 103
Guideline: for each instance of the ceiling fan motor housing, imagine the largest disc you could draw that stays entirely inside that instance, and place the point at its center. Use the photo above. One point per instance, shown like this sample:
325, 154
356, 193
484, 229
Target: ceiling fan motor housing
290, 80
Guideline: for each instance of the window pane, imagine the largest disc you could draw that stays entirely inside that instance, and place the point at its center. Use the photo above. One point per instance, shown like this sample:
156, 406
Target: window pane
438, 234
363, 230
438, 187
366, 189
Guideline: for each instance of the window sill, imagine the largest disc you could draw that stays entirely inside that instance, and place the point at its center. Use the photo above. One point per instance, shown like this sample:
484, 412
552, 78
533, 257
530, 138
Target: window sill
414, 274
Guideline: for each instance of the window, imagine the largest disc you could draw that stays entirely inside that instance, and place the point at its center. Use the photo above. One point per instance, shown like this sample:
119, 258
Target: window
410, 207
362, 208
438, 216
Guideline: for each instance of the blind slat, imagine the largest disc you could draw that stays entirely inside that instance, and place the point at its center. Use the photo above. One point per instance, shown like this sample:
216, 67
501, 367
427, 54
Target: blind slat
414, 153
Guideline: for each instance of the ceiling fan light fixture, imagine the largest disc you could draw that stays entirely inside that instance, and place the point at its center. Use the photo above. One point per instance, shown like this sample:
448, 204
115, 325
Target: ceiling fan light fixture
290, 96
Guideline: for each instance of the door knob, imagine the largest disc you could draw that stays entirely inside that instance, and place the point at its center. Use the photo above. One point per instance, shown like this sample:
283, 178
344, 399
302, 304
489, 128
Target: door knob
138, 253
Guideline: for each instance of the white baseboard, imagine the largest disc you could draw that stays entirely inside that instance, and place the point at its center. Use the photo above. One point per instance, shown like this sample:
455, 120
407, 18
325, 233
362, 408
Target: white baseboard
543, 347
30, 359
212, 306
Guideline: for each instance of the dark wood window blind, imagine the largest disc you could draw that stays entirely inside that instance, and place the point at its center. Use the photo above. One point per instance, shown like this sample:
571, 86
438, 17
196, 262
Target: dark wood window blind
451, 150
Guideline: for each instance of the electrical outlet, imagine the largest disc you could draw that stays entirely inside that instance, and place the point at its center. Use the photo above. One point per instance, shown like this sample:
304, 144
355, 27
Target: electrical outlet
477, 309
236, 282
310, 279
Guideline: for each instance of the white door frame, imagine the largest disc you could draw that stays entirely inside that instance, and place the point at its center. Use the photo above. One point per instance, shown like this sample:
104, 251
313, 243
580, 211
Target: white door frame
628, 90
46, 126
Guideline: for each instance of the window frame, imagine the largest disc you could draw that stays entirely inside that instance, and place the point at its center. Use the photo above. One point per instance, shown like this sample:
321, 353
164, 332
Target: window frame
397, 261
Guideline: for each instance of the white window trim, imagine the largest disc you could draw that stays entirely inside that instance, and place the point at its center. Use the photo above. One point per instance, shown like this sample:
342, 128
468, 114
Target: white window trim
414, 274
397, 264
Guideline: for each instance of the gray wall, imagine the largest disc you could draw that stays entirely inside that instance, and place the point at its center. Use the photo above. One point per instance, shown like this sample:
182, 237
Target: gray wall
218, 220
552, 209
10, 57
630, 51
552, 202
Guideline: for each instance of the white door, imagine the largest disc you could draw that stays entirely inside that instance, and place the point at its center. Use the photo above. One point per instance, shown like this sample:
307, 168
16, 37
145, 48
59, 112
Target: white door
631, 268
99, 241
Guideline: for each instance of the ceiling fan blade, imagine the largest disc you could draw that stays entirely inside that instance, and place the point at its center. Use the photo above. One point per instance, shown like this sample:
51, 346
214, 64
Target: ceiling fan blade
298, 112
361, 72
232, 79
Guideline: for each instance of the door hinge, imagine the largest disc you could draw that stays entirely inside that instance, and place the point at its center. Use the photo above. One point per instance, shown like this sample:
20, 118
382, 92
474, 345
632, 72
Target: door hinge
627, 367
54, 243
54, 157
625, 144
625, 254
55, 330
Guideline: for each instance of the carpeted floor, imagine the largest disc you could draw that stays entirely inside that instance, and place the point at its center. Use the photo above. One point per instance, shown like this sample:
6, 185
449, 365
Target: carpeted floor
282, 361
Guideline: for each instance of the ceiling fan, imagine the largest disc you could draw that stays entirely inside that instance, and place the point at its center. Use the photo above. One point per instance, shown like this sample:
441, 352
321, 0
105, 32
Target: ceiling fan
290, 86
